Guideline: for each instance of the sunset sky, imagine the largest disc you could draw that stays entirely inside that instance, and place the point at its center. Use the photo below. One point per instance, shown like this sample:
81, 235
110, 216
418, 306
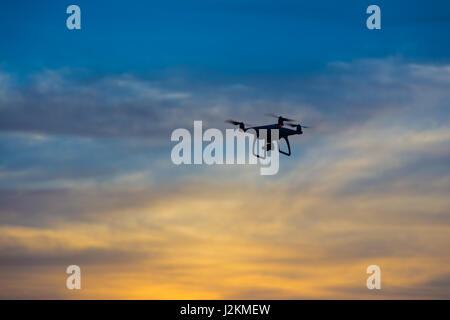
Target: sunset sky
86, 176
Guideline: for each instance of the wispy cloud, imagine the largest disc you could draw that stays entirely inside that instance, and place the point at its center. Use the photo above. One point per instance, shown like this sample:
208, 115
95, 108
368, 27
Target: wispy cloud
367, 185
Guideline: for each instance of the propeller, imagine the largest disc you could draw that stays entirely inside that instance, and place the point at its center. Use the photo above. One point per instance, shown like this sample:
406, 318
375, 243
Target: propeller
293, 125
233, 122
279, 117
236, 123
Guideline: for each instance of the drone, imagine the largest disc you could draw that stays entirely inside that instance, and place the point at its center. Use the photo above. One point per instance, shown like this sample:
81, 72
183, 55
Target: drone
283, 132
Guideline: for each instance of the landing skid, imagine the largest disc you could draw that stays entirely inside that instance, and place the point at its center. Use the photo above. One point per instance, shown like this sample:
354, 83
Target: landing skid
268, 148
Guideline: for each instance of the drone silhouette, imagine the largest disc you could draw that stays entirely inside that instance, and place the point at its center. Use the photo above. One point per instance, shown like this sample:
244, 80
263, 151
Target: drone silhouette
283, 132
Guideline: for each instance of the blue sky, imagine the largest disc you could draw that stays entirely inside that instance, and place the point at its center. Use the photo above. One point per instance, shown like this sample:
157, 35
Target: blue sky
85, 170
237, 37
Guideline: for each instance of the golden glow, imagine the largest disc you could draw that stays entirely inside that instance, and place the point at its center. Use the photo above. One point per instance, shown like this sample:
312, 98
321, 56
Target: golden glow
310, 234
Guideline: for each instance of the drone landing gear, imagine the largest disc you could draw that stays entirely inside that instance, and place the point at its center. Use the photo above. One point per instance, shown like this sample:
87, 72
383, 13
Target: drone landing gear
268, 147
288, 145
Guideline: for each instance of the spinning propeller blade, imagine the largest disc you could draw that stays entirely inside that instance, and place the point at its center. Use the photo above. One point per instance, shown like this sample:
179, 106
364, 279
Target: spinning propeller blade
233, 122
294, 125
236, 123
279, 117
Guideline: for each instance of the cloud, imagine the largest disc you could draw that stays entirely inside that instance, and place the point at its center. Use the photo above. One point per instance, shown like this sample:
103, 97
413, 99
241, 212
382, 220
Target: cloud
59, 102
55, 103
367, 185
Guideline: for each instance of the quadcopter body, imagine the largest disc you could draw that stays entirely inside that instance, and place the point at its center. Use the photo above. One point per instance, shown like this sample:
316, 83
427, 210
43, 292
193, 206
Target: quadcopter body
265, 131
